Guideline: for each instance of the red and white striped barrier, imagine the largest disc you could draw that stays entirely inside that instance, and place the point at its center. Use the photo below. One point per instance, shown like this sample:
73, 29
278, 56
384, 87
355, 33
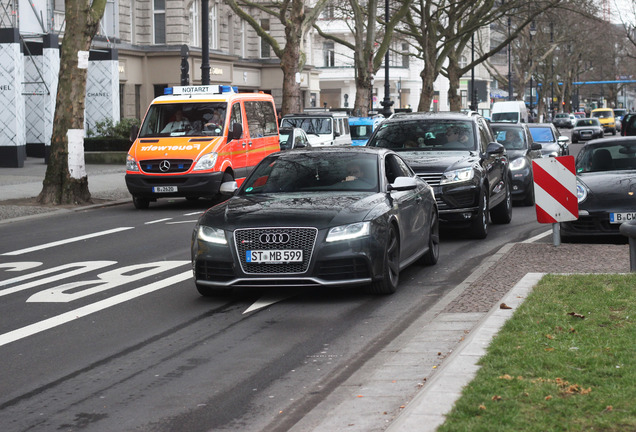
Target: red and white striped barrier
555, 189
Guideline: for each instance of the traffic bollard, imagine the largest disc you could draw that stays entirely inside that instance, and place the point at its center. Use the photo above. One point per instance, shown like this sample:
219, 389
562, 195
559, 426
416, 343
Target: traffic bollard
628, 229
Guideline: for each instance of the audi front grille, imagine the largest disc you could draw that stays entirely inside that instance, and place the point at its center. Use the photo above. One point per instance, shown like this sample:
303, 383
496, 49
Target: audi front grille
275, 239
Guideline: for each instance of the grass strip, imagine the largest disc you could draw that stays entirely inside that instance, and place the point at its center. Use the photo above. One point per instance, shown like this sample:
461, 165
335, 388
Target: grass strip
565, 361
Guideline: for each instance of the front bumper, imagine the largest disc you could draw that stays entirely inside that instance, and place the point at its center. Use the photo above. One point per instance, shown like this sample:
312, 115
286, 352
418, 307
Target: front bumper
595, 224
189, 185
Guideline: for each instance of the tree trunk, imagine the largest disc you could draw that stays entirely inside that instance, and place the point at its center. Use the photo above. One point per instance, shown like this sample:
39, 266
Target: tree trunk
428, 93
59, 187
289, 64
454, 75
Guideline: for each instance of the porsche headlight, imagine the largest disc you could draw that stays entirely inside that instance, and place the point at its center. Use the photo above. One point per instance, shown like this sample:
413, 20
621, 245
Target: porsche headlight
581, 191
518, 164
131, 163
456, 176
211, 235
206, 162
349, 232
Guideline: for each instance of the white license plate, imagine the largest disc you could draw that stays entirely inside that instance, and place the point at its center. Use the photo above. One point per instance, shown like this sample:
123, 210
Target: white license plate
164, 189
273, 256
619, 218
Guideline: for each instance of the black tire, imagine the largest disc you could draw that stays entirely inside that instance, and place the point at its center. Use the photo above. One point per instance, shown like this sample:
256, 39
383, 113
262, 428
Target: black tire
432, 255
528, 200
141, 203
502, 214
613, 131
574, 141
479, 226
391, 265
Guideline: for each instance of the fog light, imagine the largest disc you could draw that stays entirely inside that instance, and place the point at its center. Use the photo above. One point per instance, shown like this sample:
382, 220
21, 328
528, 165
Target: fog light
467, 216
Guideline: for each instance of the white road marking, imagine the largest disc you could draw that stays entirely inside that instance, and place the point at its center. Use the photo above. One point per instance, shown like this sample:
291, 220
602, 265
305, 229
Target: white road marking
157, 221
537, 237
66, 241
194, 213
20, 266
182, 222
266, 300
64, 318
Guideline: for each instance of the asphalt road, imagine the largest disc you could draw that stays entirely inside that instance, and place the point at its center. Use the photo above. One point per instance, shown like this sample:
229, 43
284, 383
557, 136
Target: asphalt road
102, 328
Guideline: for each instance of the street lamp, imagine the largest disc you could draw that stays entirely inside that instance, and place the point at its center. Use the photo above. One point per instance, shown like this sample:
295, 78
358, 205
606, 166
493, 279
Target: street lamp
509, 65
386, 103
205, 43
533, 31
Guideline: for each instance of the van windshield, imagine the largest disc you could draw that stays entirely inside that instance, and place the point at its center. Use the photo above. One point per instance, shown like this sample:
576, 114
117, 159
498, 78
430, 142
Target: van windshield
505, 117
312, 126
361, 131
179, 119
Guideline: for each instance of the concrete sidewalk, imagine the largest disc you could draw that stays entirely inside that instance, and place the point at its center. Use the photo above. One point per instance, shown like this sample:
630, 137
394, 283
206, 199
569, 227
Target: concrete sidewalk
414, 381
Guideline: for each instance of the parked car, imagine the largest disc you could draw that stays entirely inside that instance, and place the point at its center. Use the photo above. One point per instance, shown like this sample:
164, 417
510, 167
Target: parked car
521, 149
606, 117
291, 138
318, 217
629, 125
458, 156
323, 128
606, 180
587, 129
562, 120
552, 144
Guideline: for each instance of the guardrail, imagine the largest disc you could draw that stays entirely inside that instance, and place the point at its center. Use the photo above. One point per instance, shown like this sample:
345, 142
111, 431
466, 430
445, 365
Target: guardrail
628, 229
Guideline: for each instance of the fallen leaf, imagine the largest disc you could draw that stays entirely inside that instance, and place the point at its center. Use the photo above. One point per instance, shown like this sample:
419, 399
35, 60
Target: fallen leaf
506, 377
549, 349
548, 397
608, 408
496, 398
549, 336
482, 407
576, 315
504, 306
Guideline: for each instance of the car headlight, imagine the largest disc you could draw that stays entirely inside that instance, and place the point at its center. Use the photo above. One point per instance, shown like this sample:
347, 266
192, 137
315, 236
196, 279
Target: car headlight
456, 176
212, 235
349, 232
206, 162
131, 163
517, 164
581, 192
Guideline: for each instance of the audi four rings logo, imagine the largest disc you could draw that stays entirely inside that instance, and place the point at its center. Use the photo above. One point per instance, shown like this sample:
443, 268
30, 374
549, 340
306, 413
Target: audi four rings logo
274, 238
164, 165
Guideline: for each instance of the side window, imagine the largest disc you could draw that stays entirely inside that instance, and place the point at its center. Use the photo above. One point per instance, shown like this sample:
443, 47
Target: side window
235, 116
261, 118
484, 137
394, 168
403, 168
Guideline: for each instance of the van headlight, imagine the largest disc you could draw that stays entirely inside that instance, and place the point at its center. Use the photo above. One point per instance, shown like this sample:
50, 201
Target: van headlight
206, 162
457, 176
131, 163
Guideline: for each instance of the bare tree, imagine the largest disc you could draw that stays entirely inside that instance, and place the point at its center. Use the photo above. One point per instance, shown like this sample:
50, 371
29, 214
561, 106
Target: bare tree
372, 38
296, 20
60, 186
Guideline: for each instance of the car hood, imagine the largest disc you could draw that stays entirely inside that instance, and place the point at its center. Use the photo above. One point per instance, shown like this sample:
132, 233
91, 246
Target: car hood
316, 209
439, 161
515, 154
609, 191
549, 147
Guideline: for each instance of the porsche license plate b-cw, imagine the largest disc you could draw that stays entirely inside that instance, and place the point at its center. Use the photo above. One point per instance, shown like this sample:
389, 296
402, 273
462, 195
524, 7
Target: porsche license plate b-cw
619, 218
273, 256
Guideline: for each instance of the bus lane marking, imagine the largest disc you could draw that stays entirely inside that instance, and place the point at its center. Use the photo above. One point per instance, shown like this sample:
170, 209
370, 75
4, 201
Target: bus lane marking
83, 311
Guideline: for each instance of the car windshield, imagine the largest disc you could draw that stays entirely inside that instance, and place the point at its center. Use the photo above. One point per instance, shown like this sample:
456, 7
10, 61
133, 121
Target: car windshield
505, 117
562, 116
542, 134
178, 119
587, 122
311, 125
361, 131
602, 114
291, 172
607, 157
511, 138
425, 135
285, 138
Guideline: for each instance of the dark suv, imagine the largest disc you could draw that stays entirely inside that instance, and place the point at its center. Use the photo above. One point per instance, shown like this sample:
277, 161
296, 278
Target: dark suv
458, 156
628, 124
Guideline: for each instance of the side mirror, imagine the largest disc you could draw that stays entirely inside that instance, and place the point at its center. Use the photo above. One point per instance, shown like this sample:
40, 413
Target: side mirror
134, 131
237, 131
536, 146
563, 140
228, 188
403, 184
495, 148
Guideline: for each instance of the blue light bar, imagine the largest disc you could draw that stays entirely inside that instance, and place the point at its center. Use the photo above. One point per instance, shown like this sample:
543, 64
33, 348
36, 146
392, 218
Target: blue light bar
167, 91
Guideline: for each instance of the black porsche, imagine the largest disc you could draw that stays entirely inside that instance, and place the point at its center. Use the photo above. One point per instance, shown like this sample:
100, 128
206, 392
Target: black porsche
606, 187
341, 216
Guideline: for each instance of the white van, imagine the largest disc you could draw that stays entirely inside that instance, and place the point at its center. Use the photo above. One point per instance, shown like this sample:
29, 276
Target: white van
322, 128
509, 112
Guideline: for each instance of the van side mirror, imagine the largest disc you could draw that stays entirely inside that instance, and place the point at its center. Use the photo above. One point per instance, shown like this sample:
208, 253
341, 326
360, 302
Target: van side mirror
237, 131
134, 131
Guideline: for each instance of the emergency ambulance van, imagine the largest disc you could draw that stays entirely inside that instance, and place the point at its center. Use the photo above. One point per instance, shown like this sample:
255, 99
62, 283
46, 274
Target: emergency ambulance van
196, 137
